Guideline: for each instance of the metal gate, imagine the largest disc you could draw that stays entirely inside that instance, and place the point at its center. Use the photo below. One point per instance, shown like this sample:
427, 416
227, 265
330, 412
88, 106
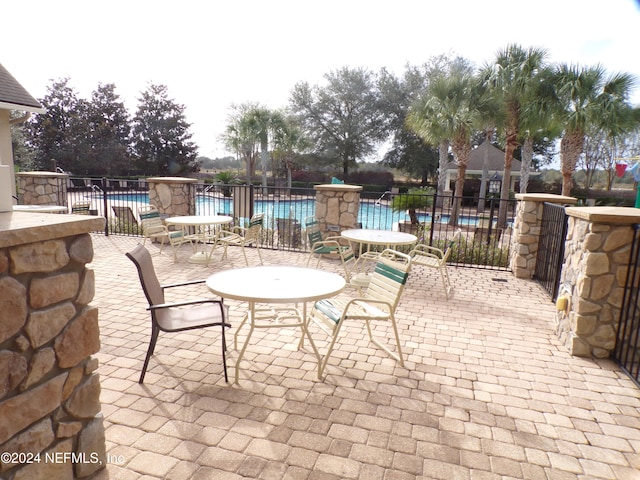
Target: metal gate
553, 233
627, 352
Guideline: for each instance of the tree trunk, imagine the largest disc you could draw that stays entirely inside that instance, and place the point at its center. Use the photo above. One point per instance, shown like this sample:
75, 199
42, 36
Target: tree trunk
527, 160
443, 164
570, 149
483, 182
264, 160
506, 183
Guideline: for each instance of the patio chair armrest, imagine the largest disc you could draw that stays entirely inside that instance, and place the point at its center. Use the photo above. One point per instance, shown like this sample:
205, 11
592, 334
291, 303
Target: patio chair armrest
427, 251
180, 284
197, 301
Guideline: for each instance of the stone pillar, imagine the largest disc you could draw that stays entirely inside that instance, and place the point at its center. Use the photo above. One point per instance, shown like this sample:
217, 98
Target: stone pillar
337, 207
593, 277
50, 414
526, 230
173, 196
42, 188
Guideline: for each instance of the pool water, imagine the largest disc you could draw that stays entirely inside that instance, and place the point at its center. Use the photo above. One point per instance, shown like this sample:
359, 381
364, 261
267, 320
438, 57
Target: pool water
371, 215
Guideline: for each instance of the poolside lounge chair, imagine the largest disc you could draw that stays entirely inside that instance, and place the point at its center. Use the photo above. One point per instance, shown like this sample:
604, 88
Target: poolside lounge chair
432, 257
125, 215
241, 237
154, 229
175, 316
377, 304
81, 208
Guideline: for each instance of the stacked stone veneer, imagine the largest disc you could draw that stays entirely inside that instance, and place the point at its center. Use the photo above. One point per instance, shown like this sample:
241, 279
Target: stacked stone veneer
337, 207
50, 418
173, 196
42, 188
593, 277
526, 230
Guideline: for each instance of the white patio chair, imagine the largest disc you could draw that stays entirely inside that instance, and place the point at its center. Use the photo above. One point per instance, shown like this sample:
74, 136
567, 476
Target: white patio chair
378, 303
154, 229
432, 257
241, 237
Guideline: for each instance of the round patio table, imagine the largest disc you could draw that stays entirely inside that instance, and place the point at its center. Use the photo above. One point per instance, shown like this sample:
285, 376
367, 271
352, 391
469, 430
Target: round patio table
200, 222
369, 237
275, 285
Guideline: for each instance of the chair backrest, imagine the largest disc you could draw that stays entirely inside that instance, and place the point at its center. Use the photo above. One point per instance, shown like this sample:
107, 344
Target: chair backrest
81, 208
454, 239
141, 258
125, 214
313, 230
389, 277
149, 217
254, 229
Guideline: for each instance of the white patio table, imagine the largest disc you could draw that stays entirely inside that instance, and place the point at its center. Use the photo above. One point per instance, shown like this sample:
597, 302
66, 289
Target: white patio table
369, 237
200, 223
275, 285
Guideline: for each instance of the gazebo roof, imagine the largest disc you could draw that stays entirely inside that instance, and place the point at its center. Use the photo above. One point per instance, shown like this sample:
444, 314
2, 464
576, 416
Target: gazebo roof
13, 96
495, 159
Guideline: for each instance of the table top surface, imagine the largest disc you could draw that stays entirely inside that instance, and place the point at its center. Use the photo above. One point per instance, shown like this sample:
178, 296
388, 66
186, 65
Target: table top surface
199, 220
379, 237
275, 284
40, 208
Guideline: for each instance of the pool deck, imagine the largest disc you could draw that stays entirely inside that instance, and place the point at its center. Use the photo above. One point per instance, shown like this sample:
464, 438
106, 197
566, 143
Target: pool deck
487, 391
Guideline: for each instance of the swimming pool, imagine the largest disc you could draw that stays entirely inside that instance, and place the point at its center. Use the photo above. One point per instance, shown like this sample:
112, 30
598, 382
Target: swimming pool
371, 214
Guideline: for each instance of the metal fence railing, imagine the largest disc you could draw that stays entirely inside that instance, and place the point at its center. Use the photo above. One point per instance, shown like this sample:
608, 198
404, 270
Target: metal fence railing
485, 240
553, 232
627, 352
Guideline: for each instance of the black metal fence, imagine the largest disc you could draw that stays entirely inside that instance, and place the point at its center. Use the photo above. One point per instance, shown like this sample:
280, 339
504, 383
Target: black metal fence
627, 352
484, 243
549, 259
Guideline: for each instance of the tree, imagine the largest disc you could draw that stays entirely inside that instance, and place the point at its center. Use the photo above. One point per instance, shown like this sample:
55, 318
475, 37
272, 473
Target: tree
408, 151
56, 135
241, 136
288, 142
161, 136
451, 109
587, 97
343, 118
109, 132
510, 78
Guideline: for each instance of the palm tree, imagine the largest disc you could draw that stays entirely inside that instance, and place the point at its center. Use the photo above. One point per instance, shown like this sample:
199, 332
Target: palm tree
288, 141
588, 98
511, 77
241, 137
450, 110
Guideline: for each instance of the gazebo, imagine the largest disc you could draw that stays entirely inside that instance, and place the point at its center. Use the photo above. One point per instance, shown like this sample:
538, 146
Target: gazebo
13, 96
485, 161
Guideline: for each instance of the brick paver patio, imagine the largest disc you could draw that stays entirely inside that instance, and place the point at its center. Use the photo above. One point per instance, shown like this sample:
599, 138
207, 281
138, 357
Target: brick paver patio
487, 392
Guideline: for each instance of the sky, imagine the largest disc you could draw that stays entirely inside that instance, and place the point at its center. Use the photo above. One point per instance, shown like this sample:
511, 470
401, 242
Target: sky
211, 54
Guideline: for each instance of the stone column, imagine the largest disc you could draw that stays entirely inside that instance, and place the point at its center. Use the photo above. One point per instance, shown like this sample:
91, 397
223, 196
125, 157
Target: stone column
593, 277
173, 195
42, 188
526, 230
337, 207
50, 409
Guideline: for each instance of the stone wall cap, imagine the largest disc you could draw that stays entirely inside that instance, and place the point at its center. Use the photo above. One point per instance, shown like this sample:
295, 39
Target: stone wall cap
19, 228
612, 215
172, 180
339, 187
545, 197
42, 174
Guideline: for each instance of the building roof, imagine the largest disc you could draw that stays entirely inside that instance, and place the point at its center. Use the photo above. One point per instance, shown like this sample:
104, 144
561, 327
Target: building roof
13, 96
495, 159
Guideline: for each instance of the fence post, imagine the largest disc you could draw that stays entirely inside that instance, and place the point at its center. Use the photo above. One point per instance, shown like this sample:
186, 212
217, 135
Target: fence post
593, 277
526, 230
